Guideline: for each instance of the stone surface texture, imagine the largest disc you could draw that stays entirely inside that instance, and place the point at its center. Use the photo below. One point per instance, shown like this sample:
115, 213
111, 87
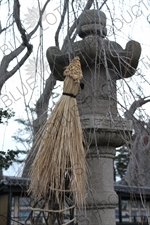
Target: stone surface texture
103, 63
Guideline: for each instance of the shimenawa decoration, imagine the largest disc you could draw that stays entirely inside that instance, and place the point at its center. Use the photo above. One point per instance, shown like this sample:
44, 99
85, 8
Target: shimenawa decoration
59, 166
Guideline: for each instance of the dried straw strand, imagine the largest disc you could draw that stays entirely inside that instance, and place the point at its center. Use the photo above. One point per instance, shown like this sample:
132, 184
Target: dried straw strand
50, 211
60, 161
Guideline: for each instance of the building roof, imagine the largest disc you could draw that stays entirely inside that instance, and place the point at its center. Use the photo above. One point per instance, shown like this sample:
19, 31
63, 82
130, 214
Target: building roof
15, 184
20, 184
15, 181
126, 191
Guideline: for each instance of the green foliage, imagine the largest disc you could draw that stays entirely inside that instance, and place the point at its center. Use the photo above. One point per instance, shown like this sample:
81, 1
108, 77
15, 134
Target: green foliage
7, 158
5, 115
24, 135
121, 161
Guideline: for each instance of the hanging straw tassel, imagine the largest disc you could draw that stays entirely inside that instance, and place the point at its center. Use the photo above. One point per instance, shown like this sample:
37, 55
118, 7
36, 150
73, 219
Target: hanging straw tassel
61, 156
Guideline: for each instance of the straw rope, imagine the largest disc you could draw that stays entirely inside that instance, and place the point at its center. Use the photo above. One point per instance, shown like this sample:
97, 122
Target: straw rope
60, 162
50, 211
70, 221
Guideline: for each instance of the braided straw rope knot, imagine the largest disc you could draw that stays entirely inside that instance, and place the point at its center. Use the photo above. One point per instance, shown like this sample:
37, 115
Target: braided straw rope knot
74, 70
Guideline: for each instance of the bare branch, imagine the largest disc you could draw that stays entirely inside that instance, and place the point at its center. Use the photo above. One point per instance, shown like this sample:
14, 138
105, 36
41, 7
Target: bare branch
41, 110
74, 25
42, 103
39, 21
5, 28
4, 74
102, 4
21, 62
88, 4
136, 104
61, 22
16, 14
18, 21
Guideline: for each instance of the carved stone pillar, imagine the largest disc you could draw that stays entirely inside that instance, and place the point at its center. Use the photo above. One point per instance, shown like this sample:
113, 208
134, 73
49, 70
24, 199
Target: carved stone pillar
103, 135
103, 62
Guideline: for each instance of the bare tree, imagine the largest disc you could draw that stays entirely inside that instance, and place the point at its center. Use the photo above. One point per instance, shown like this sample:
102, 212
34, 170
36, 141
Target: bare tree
21, 52
138, 170
138, 165
25, 45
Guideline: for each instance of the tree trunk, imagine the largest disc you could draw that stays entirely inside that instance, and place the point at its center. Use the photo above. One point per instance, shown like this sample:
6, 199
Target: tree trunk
138, 170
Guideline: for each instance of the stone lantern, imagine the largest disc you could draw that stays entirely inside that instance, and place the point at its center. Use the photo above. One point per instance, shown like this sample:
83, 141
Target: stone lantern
103, 63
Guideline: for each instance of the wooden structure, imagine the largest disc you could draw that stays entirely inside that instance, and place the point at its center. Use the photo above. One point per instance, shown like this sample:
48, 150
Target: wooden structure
133, 207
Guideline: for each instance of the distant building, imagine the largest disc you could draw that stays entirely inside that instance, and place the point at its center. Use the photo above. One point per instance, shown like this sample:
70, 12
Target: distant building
14, 202
133, 207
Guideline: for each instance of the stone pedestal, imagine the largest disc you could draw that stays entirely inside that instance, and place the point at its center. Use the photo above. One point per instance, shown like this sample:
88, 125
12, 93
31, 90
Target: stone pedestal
102, 135
101, 197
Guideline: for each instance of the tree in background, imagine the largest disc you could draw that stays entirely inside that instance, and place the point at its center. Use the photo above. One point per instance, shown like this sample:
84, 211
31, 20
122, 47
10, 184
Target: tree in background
6, 158
14, 23
121, 161
9, 156
11, 62
131, 98
138, 168
5, 115
24, 134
